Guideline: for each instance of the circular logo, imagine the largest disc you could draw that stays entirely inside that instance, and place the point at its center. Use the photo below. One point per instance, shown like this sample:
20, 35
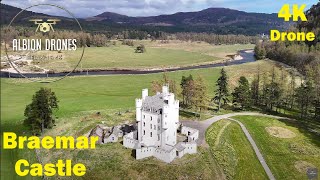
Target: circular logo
48, 40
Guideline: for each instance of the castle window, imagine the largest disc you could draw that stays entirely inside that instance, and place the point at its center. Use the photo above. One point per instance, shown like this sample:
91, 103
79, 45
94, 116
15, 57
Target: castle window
158, 120
155, 127
151, 118
144, 123
150, 134
158, 137
144, 116
151, 126
159, 128
144, 132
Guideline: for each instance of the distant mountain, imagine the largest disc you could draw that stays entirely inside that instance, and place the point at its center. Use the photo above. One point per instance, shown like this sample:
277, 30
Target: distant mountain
214, 20
211, 16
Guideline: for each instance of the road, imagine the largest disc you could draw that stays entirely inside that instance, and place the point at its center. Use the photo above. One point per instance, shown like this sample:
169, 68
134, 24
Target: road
202, 126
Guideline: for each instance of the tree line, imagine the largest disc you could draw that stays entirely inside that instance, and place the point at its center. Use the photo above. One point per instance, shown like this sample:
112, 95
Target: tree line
216, 38
98, 39
305, 57
271, 92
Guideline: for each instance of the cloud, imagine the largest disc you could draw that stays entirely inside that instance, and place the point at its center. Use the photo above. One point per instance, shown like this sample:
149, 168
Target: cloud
88, 8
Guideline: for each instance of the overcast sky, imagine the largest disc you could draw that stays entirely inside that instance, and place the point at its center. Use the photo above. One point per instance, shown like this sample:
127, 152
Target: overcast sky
88, 8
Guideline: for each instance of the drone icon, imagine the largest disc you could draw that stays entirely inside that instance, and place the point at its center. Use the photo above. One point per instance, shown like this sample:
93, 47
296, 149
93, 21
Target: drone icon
45, 26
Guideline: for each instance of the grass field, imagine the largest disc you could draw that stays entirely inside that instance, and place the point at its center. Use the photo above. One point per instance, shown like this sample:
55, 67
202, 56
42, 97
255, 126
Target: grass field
288, 158
157, 55
233, 152
86, 94
220, 51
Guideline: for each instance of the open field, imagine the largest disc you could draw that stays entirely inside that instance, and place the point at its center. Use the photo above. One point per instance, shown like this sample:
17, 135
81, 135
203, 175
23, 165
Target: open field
157, 55
233, 152
288, 156
88, 94
220, 51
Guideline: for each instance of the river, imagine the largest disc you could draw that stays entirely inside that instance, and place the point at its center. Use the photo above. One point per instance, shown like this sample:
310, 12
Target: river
247, 55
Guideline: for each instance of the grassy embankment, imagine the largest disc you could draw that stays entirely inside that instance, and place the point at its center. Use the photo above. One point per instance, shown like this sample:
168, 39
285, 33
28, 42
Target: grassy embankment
233, 152
289, 155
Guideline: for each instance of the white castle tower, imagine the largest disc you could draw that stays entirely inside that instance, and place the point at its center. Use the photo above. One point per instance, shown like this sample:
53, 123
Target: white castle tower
157, 119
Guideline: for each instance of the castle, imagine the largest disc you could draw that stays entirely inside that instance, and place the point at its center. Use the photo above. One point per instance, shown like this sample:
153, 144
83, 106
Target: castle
159, 132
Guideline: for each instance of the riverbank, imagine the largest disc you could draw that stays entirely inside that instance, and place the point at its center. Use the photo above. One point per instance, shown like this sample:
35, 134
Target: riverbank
246, 56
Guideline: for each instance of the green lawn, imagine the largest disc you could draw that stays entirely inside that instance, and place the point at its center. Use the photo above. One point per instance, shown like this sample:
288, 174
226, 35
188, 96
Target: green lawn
81, 95
283, 154
233, 152
124, 57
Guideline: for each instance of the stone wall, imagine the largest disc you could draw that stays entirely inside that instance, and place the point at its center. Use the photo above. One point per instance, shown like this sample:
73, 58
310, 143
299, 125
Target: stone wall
192, 134
144, 152
129, 141
166, 156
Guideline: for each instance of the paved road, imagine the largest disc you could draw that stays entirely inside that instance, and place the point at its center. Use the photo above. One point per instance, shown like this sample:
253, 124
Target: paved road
202, 126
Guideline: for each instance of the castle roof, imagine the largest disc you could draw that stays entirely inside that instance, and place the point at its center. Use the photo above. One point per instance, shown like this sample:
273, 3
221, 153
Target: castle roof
153, 103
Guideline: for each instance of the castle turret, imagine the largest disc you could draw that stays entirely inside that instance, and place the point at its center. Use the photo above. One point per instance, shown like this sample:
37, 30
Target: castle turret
144, 94
138, 109
165, 90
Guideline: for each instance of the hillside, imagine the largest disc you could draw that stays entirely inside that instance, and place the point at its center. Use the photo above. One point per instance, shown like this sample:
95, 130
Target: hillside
207, 17
214, 20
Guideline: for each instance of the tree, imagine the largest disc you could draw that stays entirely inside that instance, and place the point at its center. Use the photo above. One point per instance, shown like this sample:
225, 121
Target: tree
259, 51
185, 87
222, 92
156, 85
39, 112
140, 49
304, 97
200, 98
255, 88
291, 90
313, 75
272, 93
241, 93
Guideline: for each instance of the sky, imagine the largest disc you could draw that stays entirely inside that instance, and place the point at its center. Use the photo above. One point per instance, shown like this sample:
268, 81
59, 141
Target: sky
89, 8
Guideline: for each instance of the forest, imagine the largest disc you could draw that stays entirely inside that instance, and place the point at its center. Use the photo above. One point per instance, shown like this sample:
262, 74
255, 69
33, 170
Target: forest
304, 56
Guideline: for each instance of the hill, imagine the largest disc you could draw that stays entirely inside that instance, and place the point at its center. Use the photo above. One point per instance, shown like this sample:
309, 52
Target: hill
213, 20
207, 17
216, 20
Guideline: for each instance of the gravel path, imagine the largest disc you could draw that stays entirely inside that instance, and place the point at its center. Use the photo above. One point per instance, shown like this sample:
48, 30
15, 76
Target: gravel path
202, 126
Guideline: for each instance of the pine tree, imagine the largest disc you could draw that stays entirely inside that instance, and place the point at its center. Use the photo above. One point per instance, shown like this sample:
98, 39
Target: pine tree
241, 93
304, 97
184, 87
222, 92
255, 88
39, 112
